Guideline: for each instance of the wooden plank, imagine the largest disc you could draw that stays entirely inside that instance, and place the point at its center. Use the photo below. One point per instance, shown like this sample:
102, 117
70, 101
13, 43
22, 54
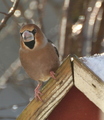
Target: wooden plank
90, 84
52, 94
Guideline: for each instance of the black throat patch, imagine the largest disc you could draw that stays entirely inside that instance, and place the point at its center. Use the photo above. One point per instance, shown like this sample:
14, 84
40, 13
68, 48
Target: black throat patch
30, 44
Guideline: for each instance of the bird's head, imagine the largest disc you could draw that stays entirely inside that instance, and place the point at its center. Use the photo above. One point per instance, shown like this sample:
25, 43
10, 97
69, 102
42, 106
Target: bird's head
32, 36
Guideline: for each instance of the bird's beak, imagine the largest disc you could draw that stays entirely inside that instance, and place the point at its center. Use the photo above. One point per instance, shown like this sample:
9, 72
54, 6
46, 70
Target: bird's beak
27, 36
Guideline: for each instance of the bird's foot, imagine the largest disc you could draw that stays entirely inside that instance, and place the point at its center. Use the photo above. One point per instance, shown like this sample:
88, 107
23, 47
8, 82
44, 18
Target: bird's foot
37, 92
52, 74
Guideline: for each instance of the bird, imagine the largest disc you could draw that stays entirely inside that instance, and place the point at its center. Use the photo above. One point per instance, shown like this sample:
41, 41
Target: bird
38, 55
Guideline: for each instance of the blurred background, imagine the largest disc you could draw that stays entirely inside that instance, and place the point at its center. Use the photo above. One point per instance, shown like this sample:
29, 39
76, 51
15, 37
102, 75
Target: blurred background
75, 27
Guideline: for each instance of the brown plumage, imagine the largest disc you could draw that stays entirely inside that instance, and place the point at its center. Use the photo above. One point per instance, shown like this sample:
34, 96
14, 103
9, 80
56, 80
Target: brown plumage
38, 56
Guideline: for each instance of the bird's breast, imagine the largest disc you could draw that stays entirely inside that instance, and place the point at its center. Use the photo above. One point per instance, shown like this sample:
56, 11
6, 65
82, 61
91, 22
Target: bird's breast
38, 64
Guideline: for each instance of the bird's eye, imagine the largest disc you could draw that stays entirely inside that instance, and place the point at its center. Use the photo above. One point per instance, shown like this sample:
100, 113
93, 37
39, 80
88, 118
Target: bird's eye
34, 31
21, 34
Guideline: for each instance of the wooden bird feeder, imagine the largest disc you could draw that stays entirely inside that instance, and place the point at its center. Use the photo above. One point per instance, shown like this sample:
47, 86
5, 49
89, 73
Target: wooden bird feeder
76, 94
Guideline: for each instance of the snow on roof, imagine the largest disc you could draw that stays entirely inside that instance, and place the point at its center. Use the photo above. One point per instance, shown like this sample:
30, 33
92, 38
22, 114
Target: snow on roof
96, 64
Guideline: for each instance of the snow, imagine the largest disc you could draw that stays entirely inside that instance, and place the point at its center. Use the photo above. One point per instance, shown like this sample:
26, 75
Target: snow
96, 64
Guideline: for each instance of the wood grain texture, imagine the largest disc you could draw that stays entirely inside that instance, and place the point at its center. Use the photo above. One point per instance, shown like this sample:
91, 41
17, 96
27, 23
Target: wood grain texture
90, 84
52, 94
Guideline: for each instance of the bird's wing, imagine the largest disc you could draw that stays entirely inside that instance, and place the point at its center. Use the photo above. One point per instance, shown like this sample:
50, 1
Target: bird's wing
54, 47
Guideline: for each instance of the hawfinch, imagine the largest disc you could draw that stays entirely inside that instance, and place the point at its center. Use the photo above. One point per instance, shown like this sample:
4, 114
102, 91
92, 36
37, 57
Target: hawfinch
38, 55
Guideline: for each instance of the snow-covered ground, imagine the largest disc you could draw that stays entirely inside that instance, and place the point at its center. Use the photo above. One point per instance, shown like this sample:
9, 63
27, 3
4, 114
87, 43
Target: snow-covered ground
96, 64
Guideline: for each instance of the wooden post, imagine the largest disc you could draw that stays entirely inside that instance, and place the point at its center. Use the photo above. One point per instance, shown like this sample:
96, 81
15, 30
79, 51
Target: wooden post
69, 74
